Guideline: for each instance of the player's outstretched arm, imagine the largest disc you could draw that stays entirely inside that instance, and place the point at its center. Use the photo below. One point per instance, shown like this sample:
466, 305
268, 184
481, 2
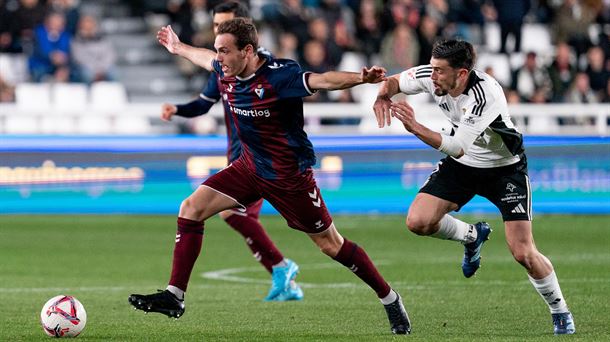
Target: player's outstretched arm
198, 56
389, 88
405, 113
335, 80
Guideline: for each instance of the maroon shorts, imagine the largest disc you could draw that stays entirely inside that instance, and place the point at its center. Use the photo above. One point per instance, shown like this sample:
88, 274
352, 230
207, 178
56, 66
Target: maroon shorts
253, 210
297, 198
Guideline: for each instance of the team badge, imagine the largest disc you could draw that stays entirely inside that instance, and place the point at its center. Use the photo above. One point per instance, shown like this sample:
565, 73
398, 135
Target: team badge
260, 91
275, 65
230, 88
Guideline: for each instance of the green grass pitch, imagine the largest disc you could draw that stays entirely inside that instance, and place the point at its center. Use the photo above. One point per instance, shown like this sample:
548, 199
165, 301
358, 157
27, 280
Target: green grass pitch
102, 259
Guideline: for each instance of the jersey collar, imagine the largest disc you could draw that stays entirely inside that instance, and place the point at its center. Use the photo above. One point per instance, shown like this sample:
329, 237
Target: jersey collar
472, 80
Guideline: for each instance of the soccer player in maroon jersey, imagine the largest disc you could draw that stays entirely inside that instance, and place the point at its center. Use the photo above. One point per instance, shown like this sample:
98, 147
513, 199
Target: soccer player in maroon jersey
265, 97
245, 222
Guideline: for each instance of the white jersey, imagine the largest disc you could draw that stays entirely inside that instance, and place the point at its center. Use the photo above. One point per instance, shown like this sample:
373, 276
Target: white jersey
479, 117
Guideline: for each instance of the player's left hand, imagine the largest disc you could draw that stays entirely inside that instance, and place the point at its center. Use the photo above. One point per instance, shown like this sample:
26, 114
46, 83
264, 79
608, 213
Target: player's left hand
404, 113
374, 74
168, 38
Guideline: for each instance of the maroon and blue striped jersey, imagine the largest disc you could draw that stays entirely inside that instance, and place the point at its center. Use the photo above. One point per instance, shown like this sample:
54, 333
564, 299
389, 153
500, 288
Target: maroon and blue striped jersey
267, 109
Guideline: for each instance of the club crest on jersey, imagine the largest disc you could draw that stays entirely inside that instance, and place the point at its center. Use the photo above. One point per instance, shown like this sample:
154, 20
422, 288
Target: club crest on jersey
260, 91
275, 65
230, 87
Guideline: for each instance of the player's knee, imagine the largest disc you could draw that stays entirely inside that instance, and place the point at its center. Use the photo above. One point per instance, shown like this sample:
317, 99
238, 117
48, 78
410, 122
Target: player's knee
189, 209
523, 257
418, 224
329, 248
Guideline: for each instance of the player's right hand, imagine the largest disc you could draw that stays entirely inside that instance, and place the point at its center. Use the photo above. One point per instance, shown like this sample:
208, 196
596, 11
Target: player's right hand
382, 111
167, 111
168, 38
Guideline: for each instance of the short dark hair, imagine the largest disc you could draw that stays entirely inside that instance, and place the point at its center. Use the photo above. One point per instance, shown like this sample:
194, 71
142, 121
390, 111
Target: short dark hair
239, 9
244, 31
459, 53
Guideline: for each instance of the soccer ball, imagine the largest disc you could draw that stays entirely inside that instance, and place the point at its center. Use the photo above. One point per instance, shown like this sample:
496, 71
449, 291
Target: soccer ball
63, 316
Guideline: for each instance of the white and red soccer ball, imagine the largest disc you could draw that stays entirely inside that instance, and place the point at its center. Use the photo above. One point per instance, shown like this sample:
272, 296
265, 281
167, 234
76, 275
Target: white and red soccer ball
63, 316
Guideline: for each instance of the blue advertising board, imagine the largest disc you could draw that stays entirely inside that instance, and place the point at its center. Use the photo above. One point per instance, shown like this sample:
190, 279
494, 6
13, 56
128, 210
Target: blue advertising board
357, 174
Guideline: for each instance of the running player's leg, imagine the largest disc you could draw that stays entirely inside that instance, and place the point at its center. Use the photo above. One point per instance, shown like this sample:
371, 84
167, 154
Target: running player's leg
352, 256
299, 201
264, 250
447, 189
540, 273
226, 189
248, 225
200, 205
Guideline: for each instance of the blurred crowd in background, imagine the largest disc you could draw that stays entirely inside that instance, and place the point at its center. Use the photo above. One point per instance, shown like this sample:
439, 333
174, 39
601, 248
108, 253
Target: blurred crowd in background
63, 44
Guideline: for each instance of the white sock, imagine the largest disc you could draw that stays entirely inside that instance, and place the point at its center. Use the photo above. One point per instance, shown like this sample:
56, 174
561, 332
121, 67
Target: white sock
390, 298
176, 291
456, 230
549, 290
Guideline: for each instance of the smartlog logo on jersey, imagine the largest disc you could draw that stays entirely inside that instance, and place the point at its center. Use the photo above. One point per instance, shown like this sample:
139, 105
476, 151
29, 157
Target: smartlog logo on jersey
250, 112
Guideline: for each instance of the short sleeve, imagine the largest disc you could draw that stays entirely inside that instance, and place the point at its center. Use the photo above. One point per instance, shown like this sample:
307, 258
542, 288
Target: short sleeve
416, 80
289, 79
211, 92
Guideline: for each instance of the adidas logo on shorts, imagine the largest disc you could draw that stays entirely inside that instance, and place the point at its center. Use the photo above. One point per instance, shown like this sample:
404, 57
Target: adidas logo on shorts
518, 209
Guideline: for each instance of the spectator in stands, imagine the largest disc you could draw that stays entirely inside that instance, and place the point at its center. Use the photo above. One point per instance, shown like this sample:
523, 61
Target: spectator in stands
194, 23
399, 49
571, 25
368, 30
93, 55
597, 70
6, 36
438, 11
562, 71
51, 57
427, 34
510, 16
318, 30
532, 79
194, 27
467, 15
580, 90
314, 60
341, 23
7, 91
606, 96
70, 10
287, 46
290, 16
20, 22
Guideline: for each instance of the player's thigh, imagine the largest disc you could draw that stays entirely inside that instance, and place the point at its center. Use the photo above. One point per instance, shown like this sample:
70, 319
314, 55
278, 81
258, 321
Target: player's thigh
252, 211
449, 187
234, 182
508, 188
205, 202
299, 201
428, 208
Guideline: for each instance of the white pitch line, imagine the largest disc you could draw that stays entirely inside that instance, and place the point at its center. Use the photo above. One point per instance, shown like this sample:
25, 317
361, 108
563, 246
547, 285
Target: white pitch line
231, 275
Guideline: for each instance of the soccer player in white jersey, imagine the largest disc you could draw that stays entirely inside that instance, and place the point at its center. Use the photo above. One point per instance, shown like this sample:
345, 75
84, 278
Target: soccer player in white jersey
485, 156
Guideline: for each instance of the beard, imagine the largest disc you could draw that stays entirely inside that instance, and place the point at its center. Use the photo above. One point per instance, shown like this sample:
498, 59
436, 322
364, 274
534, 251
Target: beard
440, 92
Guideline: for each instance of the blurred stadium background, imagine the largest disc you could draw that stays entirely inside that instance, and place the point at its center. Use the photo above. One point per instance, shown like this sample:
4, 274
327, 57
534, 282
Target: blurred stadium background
81, 84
